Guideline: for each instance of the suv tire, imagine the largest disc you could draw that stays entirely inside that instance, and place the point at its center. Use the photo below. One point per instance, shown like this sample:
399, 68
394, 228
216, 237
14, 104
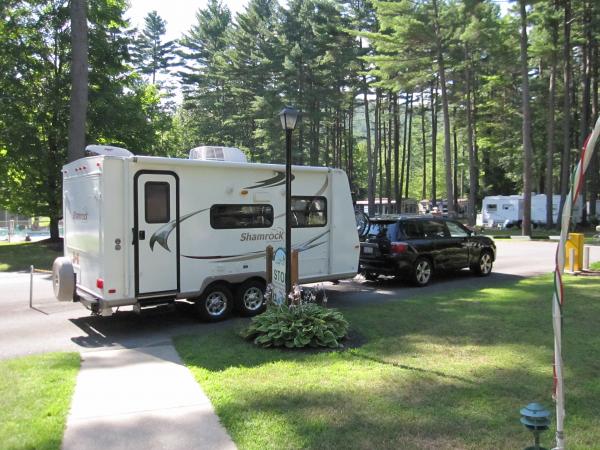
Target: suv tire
421, 272
484, 264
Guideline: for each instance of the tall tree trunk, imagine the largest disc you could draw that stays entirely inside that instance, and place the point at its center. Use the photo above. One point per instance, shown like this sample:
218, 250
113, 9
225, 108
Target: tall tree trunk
447, 144
351, 146
327, 131
397, 186
79, 79
527, 144
455, 165
434, 143
423, 142
409, 102
473, 170
315, 125
586, 81
594, 162
566, 152
404, 136
388, 166
371, 160
378, 145
550, 125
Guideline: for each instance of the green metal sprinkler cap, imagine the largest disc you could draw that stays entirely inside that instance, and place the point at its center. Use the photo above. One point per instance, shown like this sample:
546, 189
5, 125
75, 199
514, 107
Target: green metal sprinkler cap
535, 417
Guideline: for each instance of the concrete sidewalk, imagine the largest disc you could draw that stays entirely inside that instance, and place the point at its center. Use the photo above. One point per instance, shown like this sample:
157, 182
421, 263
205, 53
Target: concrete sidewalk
142, 398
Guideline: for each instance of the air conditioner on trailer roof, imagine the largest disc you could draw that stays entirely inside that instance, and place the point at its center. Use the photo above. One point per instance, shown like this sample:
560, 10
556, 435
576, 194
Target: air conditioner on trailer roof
212, 153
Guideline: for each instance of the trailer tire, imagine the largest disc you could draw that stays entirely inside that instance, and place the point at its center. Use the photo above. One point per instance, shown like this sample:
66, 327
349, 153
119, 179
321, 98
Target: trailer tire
63, 279
250, 298
215, 303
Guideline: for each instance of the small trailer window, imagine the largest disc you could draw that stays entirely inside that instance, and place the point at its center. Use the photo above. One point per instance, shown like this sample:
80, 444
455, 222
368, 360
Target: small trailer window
156, 195
492, 207
309, 212
224, 217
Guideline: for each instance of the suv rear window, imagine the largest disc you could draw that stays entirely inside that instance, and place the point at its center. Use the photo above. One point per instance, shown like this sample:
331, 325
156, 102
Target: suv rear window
380, 229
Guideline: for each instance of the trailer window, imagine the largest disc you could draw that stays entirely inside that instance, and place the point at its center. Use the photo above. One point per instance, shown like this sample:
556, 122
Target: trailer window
157, 197
492, 207
241, 216
309, 212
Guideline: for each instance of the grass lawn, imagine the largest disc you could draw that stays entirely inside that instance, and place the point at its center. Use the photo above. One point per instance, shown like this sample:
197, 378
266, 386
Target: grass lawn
35, 394
21, 255
437, 371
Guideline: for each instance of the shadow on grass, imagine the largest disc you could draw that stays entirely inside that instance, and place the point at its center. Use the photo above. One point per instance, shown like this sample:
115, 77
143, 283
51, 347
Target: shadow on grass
411, 410
478, 357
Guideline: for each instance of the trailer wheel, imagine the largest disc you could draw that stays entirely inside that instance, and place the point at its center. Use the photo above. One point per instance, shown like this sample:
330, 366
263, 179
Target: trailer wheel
250, 298
215, 303
63, 279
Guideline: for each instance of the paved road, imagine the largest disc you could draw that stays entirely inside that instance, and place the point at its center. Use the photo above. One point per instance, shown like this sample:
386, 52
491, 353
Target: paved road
54, 326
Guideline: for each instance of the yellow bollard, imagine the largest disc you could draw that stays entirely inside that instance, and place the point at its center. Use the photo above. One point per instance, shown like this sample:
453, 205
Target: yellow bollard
575, 242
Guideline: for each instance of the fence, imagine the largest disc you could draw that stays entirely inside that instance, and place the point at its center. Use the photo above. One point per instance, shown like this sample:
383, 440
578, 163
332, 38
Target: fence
15, 227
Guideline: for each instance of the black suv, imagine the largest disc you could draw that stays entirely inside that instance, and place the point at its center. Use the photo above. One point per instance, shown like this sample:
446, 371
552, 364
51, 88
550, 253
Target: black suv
416, 246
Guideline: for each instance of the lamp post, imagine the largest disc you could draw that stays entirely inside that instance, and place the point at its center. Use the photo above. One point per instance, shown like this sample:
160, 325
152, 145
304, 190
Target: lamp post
289, 117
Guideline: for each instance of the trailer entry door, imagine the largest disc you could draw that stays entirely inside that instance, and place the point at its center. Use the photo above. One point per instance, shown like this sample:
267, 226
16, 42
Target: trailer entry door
156, 233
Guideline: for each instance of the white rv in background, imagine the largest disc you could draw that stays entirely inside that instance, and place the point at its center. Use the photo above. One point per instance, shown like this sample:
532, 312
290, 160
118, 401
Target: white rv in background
143, 230
507, 210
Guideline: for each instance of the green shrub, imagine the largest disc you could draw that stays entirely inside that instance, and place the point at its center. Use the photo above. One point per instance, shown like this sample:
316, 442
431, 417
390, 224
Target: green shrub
305, 325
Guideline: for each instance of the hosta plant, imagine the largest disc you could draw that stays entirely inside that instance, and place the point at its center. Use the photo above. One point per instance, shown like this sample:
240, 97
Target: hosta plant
301, 323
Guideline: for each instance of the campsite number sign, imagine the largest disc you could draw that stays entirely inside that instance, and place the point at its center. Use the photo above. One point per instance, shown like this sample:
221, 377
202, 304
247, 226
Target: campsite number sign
278, 276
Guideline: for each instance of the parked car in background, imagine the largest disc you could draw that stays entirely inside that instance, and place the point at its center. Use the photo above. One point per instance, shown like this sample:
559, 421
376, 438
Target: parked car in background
416, 247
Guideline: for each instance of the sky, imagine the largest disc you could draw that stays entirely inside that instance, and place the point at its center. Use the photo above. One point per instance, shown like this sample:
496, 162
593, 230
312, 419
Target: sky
179, 14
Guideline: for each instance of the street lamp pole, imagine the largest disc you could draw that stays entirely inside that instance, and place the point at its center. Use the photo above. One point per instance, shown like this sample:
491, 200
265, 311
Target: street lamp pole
288, 212
289, 117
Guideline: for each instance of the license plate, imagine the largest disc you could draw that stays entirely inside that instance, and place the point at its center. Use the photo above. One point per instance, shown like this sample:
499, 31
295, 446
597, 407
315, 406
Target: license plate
367, 249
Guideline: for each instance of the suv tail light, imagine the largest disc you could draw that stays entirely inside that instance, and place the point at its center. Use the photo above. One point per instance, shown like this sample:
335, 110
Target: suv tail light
398, 247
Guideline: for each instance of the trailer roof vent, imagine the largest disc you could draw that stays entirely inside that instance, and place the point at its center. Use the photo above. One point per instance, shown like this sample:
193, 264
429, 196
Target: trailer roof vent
108, 150
210, 153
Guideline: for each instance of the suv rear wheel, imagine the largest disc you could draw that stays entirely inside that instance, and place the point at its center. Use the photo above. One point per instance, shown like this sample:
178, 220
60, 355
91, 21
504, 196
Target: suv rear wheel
421, 272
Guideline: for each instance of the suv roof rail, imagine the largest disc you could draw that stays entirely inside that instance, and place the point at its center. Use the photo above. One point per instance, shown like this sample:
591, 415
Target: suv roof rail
402, 216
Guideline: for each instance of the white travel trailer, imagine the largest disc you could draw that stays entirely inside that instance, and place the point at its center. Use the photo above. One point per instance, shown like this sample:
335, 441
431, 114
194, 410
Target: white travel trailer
498, 210
143, 230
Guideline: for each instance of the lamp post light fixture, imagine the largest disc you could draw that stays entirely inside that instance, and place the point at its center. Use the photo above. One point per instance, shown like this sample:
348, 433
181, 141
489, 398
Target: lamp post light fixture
536, 419
289, 117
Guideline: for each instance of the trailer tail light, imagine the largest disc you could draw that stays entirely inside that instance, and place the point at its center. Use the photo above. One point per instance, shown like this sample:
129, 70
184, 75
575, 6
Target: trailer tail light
399, 247
99, 283
112, 291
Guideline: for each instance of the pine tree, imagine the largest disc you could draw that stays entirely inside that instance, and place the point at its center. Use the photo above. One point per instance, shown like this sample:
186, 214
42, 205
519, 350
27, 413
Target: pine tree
150, 55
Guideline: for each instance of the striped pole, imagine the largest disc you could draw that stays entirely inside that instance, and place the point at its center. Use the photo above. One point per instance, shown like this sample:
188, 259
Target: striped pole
577, 180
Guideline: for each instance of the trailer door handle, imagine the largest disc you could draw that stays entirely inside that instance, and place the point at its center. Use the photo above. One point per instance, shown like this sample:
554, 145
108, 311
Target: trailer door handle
141, 235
